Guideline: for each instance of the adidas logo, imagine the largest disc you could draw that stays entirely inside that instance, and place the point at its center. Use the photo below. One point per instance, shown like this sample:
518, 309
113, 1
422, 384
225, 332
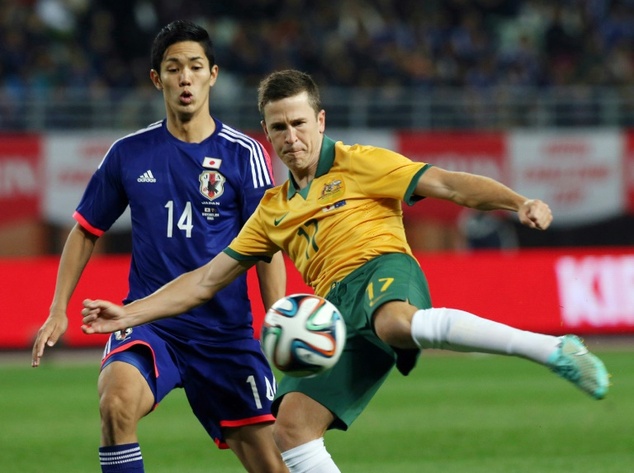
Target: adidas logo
147, 176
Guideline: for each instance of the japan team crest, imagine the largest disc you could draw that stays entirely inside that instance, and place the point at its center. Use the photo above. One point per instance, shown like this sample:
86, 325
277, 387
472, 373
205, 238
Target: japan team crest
122, 335
212, 184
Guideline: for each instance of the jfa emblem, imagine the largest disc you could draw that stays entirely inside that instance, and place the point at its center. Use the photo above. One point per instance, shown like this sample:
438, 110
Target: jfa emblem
212, 184
122, 335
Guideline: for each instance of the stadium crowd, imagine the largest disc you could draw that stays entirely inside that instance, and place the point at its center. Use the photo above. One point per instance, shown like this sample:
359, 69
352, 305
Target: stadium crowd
95, 45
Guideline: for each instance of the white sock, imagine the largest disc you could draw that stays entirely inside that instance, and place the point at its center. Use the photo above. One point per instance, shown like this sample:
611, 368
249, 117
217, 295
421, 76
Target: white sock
457, 330
310, 457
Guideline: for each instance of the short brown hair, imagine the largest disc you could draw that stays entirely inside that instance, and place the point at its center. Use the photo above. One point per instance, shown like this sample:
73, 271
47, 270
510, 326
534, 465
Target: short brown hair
288, 83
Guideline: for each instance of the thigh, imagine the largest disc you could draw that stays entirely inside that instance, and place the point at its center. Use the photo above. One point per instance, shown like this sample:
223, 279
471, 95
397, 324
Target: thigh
150, 353
387, 278
122, 386
394, 277
254, 447
396, 281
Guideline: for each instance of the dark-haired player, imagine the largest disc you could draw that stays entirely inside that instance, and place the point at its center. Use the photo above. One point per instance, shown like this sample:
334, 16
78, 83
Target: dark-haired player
191, 183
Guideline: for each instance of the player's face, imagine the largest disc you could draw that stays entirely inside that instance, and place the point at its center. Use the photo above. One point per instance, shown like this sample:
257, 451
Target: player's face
185, 79
296, 132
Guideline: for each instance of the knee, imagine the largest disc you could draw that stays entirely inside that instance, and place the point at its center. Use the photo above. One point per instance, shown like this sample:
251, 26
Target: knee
122, 404
300, 419
119, 418
116, 406
124, 395
295, 429
393, 324
286, 435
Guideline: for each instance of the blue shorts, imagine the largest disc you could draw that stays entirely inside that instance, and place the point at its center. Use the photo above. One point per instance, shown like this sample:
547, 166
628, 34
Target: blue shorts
228, 384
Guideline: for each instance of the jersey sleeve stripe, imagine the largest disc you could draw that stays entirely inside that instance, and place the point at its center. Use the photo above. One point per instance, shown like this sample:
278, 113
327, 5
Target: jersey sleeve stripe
260, 172
246, 258
84, 223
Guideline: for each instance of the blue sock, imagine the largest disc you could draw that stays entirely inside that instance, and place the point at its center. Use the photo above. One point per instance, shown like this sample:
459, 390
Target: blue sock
121, 458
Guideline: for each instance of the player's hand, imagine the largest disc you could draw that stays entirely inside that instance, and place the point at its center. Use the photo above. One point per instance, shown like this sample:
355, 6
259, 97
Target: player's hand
48, 335
535, 213
103, 317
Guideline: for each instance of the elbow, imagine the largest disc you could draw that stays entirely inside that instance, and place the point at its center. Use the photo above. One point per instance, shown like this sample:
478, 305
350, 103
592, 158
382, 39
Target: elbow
203, 295
204, 292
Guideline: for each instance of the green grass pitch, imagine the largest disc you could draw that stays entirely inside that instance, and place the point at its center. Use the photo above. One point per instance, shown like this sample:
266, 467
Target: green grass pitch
455, 413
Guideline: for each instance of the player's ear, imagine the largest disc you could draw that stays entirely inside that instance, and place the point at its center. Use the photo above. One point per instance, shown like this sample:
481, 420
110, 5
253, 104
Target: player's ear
214, 75
321, 120
266, 132
156, 79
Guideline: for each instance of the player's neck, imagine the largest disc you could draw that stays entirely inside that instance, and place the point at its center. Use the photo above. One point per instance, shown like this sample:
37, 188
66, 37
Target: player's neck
304, 177
302, 182
191, 129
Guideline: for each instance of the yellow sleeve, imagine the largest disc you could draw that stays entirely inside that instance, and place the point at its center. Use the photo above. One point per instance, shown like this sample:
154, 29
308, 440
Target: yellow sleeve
252, 243
384, 173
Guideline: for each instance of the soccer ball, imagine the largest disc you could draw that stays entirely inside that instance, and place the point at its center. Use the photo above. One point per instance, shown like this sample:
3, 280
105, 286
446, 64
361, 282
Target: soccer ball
303, 335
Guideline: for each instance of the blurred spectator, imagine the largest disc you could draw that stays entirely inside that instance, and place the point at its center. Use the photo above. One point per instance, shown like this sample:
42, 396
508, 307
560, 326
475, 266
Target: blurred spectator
480, 44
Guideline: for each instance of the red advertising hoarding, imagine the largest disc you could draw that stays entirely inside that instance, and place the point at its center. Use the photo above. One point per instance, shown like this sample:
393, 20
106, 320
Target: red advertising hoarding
21, 179
585, 291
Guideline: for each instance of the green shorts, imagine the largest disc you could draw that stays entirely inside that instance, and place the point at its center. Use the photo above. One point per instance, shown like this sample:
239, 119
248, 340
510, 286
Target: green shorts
366, 361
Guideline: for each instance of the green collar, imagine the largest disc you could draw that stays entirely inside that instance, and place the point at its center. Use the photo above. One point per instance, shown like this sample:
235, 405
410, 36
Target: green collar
326, 159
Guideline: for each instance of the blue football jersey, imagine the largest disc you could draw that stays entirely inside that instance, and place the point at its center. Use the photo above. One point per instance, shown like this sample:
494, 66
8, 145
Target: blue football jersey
187, 203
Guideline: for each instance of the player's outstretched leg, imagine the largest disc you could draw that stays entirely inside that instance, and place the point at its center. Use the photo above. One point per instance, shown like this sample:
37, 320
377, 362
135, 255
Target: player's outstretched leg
457, 330
573, 361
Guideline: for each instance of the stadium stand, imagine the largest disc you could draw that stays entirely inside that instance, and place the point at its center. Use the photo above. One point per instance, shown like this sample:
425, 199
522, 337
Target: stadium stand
575, 56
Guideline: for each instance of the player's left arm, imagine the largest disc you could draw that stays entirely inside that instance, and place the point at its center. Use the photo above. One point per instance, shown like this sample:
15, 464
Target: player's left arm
482, 193
272, 279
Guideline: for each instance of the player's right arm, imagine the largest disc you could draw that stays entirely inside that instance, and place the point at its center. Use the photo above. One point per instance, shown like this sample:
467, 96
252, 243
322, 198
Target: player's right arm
482, 193
180, 295
76, 254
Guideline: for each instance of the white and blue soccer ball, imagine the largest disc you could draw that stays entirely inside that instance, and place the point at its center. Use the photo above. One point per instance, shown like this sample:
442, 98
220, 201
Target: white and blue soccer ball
303, 335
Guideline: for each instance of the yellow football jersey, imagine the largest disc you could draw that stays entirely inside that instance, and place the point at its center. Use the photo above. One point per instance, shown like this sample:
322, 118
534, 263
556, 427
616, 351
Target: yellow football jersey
350, 213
